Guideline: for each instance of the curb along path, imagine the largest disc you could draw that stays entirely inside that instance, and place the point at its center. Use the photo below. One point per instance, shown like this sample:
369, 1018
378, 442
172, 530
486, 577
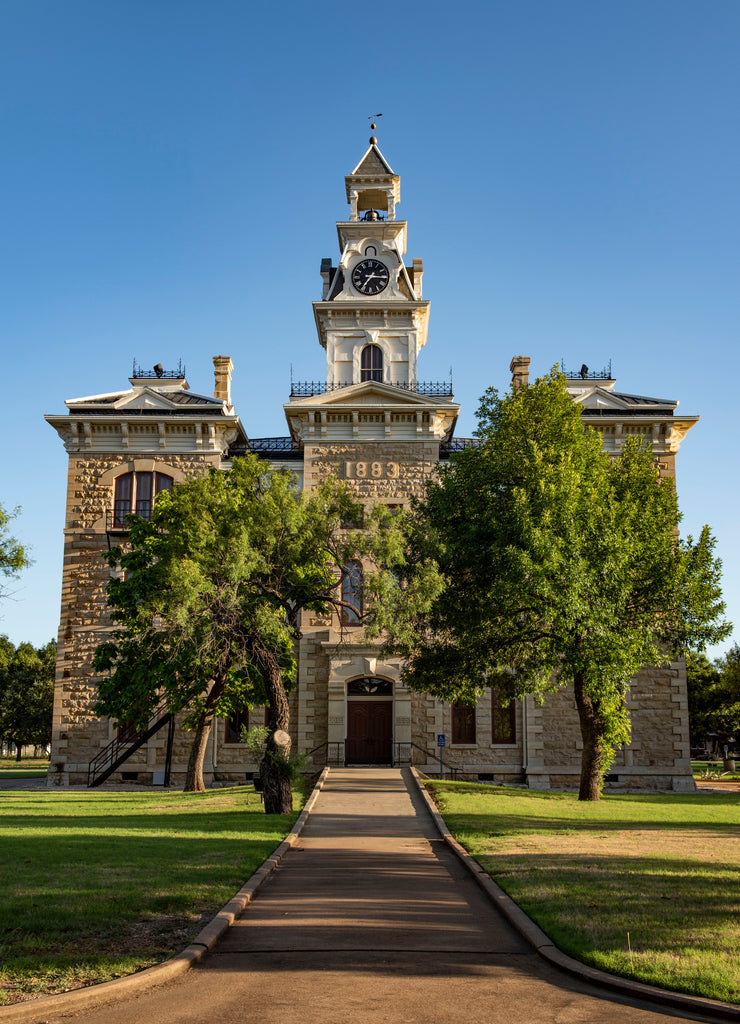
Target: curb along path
547, 949
33, 1010
372, 914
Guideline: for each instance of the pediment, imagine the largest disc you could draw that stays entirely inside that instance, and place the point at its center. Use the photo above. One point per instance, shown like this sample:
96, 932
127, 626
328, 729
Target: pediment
145, 398
604, 400
368, 393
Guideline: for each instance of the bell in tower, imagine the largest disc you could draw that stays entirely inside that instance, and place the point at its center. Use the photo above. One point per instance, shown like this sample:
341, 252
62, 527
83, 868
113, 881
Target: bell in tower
373, 190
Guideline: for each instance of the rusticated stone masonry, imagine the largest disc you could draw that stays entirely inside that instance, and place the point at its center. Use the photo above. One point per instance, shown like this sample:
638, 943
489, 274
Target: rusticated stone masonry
77, 734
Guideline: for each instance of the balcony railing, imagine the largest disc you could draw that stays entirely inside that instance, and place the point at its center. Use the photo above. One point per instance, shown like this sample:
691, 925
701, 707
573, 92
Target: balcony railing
115, 518
432, 389
266, 447
457, 444
272, 445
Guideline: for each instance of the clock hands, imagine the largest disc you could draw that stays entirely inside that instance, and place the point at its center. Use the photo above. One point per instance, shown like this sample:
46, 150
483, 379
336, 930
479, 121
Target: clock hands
370, 277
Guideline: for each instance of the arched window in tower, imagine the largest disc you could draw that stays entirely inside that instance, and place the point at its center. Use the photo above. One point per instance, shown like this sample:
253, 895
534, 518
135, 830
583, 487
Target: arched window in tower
371, 363
135, 492
351, 594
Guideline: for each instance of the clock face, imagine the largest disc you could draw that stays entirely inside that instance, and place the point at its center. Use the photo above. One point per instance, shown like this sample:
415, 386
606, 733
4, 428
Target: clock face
370, 277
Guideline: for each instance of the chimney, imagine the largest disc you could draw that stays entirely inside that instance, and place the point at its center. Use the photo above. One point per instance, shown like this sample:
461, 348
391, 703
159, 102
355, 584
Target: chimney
222, 367
519, 367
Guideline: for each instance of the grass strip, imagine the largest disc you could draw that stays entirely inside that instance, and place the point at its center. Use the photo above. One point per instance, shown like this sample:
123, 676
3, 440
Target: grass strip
95, 885
663, 869
26, 768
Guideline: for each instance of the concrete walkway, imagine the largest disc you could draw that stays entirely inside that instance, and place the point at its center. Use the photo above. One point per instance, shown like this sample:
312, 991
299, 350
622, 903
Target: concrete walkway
371, 919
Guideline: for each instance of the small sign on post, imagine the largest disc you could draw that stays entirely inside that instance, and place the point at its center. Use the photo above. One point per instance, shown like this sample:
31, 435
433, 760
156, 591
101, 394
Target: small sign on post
441, 743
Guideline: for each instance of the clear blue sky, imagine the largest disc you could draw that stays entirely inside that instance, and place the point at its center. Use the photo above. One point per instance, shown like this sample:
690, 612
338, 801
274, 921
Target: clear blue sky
172, 171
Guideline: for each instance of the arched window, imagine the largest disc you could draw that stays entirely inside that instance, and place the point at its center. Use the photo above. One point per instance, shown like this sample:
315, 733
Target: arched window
352, 594
135, 492
371, 363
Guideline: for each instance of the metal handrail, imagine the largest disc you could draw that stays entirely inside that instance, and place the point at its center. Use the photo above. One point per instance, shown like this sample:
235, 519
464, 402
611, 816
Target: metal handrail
335, 756
122, 747
451, 768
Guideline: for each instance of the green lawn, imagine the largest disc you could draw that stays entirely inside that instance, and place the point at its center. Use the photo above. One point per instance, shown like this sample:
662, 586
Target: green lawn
663, 870
26, 768
98, 884
714, 771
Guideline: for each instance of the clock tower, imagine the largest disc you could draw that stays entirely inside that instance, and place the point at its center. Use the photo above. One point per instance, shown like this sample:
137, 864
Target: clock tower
375, 425
372, 319
372, 322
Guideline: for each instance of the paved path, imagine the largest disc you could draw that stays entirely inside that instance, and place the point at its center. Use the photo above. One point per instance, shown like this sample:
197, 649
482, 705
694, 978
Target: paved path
370, 919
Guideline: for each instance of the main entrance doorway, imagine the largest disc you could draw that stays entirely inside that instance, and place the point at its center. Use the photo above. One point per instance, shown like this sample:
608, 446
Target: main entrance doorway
369, 721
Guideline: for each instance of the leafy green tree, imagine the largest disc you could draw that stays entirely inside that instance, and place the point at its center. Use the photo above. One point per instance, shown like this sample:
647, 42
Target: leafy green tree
27, 694
13, 556
714, 696
208, 606
703, 685
561, 564
730, 669
7, 650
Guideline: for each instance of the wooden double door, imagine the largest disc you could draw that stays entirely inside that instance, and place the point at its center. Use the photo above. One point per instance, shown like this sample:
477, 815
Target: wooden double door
369, 731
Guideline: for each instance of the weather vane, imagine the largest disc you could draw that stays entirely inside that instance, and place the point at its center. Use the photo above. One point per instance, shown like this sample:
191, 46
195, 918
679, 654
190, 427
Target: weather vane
371, 119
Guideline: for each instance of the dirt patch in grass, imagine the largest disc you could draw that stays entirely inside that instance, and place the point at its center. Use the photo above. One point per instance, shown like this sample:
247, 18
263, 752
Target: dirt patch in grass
647, 887
709, 846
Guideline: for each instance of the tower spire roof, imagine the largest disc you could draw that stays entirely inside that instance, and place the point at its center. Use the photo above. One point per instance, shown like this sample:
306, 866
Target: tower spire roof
373, 162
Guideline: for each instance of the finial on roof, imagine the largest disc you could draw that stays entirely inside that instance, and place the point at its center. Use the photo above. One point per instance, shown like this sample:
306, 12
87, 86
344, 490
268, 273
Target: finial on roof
373, 126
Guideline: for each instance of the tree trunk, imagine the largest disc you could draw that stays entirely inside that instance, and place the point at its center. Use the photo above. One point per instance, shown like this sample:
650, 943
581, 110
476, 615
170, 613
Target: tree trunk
592, 733
194, 775
274, 768
18, 750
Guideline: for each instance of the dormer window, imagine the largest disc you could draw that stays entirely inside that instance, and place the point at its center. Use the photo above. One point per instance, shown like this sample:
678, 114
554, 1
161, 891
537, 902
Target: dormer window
135, 492
371, 363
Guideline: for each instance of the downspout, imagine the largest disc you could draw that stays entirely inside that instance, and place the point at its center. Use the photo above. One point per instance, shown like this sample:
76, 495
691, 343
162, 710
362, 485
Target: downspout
525, 749
214, 745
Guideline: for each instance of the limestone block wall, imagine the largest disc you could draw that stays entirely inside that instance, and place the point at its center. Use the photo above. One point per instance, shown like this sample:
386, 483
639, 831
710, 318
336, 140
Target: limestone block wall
310, 721
380, 470
502, 761
77, 734
389, 471
658, 755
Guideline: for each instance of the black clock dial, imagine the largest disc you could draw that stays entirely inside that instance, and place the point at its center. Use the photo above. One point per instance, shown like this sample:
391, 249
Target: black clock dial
370, 277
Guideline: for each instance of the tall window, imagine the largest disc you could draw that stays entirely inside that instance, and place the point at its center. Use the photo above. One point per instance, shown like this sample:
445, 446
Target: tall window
240, 720
371, 363
463, 723
503, 719
135, 492
352, 594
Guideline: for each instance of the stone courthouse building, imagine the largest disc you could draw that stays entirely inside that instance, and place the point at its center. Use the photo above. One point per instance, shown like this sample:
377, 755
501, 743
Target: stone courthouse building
374, 423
